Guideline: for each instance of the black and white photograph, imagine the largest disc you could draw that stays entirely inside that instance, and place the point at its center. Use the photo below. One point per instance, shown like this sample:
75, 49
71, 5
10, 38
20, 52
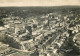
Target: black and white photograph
39, 27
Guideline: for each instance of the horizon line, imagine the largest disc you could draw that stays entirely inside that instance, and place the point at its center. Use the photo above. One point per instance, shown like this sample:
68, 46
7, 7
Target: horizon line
41, 6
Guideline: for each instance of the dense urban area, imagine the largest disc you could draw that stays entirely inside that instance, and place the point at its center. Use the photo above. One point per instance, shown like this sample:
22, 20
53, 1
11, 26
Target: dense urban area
40, 31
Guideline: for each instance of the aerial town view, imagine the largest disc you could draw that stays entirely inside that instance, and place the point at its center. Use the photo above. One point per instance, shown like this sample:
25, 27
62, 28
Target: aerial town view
40, 31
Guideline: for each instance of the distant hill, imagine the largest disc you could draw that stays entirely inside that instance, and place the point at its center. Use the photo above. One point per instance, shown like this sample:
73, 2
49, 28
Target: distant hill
33, 11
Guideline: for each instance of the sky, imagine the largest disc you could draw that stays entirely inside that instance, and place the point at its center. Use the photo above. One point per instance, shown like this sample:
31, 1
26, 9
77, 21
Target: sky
39, 2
